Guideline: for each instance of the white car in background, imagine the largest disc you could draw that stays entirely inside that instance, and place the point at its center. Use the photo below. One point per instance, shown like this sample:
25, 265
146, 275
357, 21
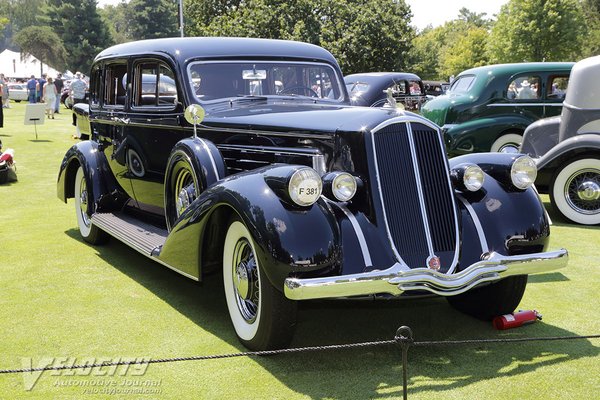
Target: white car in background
17, 92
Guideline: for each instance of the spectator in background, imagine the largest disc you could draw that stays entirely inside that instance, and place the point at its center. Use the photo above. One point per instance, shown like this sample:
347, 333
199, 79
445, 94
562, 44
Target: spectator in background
526, 92
77, 89
4, 92
59, 84
50, 97
32, 88
41, 83
2, 84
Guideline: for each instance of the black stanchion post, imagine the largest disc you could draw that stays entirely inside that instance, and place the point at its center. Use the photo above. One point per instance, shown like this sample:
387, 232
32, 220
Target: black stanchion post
404, 338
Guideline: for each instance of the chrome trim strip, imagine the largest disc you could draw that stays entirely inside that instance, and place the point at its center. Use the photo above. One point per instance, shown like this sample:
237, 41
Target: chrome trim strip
417, 172
396, 281
477, 222
358, 232
525, 104
212, 159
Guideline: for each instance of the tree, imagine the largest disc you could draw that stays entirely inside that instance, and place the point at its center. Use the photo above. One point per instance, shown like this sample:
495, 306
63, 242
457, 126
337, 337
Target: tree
42, 43
20, 14
537, 30
591, 12
351, 29
152, 19
117, 19
447, 50
81, 29
467, 51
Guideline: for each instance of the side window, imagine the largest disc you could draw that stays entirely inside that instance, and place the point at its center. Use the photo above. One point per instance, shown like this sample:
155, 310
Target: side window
95, 85
525, 87
154, 86
557, 87
115, 81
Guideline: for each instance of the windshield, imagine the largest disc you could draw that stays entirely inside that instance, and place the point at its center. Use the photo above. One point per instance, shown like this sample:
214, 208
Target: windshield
357, 87
221, 80
462, 84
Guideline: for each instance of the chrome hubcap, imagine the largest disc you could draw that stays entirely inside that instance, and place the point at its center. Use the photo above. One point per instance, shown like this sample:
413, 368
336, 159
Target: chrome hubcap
245, 280
510, 148
582, 191
83, 202
185, 189
589, 191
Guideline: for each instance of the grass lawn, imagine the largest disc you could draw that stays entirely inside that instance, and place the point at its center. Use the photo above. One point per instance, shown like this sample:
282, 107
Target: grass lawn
61, 297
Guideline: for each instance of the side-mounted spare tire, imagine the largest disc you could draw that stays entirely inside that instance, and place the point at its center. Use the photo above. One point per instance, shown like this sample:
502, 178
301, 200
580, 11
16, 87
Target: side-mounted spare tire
194, 165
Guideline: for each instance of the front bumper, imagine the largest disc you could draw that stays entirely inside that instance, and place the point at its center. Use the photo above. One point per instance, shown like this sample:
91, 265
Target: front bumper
399, 279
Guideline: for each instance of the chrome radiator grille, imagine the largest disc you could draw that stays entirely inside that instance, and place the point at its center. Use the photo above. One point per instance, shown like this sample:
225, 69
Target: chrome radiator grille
412, 178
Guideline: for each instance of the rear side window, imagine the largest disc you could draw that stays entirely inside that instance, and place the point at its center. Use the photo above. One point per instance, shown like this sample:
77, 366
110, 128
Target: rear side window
115, 85
463, 84
154, 86
524, 87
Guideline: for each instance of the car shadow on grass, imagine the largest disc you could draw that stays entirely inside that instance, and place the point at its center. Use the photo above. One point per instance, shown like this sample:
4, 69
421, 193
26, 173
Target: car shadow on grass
371, 372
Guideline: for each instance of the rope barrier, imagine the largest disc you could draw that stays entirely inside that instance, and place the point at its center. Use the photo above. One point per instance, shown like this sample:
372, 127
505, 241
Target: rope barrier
403, 338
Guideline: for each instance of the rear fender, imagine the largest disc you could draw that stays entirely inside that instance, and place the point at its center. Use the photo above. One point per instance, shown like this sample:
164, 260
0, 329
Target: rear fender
479, 134
104, 193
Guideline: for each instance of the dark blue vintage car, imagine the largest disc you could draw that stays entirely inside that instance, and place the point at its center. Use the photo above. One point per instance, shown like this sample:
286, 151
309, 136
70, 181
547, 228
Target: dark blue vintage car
245, 156
385, 89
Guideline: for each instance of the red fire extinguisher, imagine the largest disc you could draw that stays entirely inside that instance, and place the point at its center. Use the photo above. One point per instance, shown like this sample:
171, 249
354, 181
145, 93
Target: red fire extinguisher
514, 320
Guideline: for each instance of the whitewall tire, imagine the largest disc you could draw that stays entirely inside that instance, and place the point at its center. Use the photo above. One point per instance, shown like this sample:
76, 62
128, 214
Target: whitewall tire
262, 317
575, 191
508, 143
90, 233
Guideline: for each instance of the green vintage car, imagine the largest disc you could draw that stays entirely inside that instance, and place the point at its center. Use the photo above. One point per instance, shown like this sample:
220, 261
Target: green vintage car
488, 108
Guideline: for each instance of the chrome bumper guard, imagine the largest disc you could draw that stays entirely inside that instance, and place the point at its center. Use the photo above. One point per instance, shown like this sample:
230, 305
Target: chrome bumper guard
398, 279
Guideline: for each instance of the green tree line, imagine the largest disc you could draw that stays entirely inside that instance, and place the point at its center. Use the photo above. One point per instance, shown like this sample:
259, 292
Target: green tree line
364, 35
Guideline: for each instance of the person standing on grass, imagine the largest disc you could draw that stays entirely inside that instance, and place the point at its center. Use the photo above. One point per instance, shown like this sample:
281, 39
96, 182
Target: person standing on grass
50, 97
32, 88
41, 83
4, 92
1, 108
59, 84
77, 89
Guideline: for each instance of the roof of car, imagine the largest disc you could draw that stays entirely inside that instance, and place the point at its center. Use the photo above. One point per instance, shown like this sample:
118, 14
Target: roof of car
220, 47
369, 77
515, 68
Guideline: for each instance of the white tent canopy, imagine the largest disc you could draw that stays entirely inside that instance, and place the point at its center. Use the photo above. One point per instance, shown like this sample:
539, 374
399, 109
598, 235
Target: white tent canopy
13, 66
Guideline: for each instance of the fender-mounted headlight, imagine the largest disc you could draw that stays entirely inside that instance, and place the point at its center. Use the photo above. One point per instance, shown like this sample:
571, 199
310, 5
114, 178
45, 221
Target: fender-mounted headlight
523, 172
339, 185
467, 177
305, 186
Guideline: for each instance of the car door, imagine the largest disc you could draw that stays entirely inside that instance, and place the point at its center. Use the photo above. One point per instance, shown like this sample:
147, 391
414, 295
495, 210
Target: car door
108, 117
153, 128
524, 92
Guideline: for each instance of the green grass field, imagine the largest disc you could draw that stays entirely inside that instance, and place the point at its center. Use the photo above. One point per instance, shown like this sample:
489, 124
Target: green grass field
61, 297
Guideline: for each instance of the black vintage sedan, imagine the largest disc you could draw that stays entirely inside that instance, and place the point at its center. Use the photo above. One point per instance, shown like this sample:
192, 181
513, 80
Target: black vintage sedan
386, 89
246, 157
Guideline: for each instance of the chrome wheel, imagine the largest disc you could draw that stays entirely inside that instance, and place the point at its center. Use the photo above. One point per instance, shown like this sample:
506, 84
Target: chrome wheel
185, 188
246, 282
507, 143
582, 191
575, 191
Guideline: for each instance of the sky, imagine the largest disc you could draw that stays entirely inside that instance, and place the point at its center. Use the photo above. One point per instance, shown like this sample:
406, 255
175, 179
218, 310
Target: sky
425, 12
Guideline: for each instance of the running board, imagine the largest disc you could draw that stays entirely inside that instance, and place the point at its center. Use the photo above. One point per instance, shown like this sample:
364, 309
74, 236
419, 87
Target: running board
142, 237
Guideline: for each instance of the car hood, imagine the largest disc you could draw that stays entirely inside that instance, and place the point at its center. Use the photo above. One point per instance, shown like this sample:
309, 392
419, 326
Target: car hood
299, 117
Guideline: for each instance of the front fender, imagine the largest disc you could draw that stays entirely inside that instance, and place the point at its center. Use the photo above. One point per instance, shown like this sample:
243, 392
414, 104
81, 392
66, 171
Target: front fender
101, 186
288, 238
575, 145
541, 136
479, 134
508, 220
